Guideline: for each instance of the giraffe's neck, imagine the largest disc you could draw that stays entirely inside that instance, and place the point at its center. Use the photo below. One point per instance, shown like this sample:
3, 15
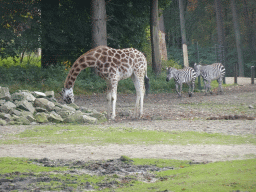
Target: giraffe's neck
84, 61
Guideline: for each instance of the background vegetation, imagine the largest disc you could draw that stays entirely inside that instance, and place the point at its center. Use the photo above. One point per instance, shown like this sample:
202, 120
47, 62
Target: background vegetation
25, 23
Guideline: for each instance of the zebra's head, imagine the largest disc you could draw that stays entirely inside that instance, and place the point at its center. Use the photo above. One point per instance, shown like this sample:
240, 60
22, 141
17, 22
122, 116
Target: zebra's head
67, 95
170, 73
197, 69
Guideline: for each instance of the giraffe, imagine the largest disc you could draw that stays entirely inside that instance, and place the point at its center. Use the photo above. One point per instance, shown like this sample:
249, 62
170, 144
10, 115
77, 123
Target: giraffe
112, 65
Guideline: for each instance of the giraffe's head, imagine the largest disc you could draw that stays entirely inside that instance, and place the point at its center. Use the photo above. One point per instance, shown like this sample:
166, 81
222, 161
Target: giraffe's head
170, 71
68, 95
197, 69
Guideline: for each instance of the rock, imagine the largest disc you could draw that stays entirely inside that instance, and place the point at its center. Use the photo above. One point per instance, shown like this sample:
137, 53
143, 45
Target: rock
2, 102
74, 106
2, 122
23, 95
23, 121
25, 105
98, 115
55, 118
5, 116
38, 94
44, 103
37, 107
49, 94
64, 113
31, 118
40, 109
65, 107
88, 119
85, 110
41, 117
5, 94
79, 117
7, 107
251, 107
15, 112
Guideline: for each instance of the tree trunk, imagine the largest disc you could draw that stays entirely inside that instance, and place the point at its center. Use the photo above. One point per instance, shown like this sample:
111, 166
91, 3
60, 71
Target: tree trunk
250, 30
154, 28
238, 39
99, 23
183, 34
219, 20
49, 10
163, 50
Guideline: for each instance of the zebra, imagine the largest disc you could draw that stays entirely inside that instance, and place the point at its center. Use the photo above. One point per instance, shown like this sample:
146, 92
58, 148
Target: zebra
215, 71
180, 76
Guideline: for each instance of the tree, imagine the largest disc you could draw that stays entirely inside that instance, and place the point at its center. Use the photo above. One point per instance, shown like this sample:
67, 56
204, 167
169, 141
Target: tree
154, 28
99, 23
19, 22
219, 20
238, 39
163, 50
183, 34
50, 31
250, 29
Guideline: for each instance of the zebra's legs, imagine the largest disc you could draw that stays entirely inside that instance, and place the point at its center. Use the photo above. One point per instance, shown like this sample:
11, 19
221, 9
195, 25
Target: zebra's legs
177, 87
191, 86
220, 85
207, 86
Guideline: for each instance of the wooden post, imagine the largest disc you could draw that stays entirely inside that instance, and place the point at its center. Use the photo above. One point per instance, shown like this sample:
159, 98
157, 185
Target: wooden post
199, 79
252, 74
235, 73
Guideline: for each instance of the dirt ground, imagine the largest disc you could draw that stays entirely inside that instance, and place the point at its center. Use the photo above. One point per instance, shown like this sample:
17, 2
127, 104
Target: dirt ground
163, 112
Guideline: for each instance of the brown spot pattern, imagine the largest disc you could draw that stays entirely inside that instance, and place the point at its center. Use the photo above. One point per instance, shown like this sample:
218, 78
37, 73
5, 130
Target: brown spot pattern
75, 65
81, 60
97, 55
103, 59
83, 66
117, 56
110, 53
89, 58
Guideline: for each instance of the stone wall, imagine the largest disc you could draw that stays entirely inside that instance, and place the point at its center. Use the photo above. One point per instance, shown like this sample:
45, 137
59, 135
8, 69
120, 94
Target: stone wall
25, 108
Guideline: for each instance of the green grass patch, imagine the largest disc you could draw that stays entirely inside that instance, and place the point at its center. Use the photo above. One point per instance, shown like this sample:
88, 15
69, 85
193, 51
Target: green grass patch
219, 176
9, 165
91, 135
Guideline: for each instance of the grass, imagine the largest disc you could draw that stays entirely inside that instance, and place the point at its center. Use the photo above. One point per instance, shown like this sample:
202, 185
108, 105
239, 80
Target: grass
93, 135
10, 165
218, 176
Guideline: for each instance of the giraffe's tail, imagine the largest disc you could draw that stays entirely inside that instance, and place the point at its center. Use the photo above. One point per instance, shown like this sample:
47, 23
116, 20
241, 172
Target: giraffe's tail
147, 85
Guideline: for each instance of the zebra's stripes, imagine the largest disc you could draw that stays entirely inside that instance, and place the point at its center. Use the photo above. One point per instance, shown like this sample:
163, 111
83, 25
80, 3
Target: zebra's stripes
209, 73
180, 76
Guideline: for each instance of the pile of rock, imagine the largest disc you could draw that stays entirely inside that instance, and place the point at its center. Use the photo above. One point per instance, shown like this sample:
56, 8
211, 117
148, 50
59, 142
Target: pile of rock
25, 107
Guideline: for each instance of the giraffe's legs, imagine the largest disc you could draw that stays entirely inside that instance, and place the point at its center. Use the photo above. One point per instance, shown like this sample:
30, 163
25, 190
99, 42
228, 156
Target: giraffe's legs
109, 99
140, 91
114, 97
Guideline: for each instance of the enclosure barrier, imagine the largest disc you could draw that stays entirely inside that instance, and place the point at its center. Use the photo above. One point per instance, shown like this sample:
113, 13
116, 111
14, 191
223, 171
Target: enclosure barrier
252, 74
235, 73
